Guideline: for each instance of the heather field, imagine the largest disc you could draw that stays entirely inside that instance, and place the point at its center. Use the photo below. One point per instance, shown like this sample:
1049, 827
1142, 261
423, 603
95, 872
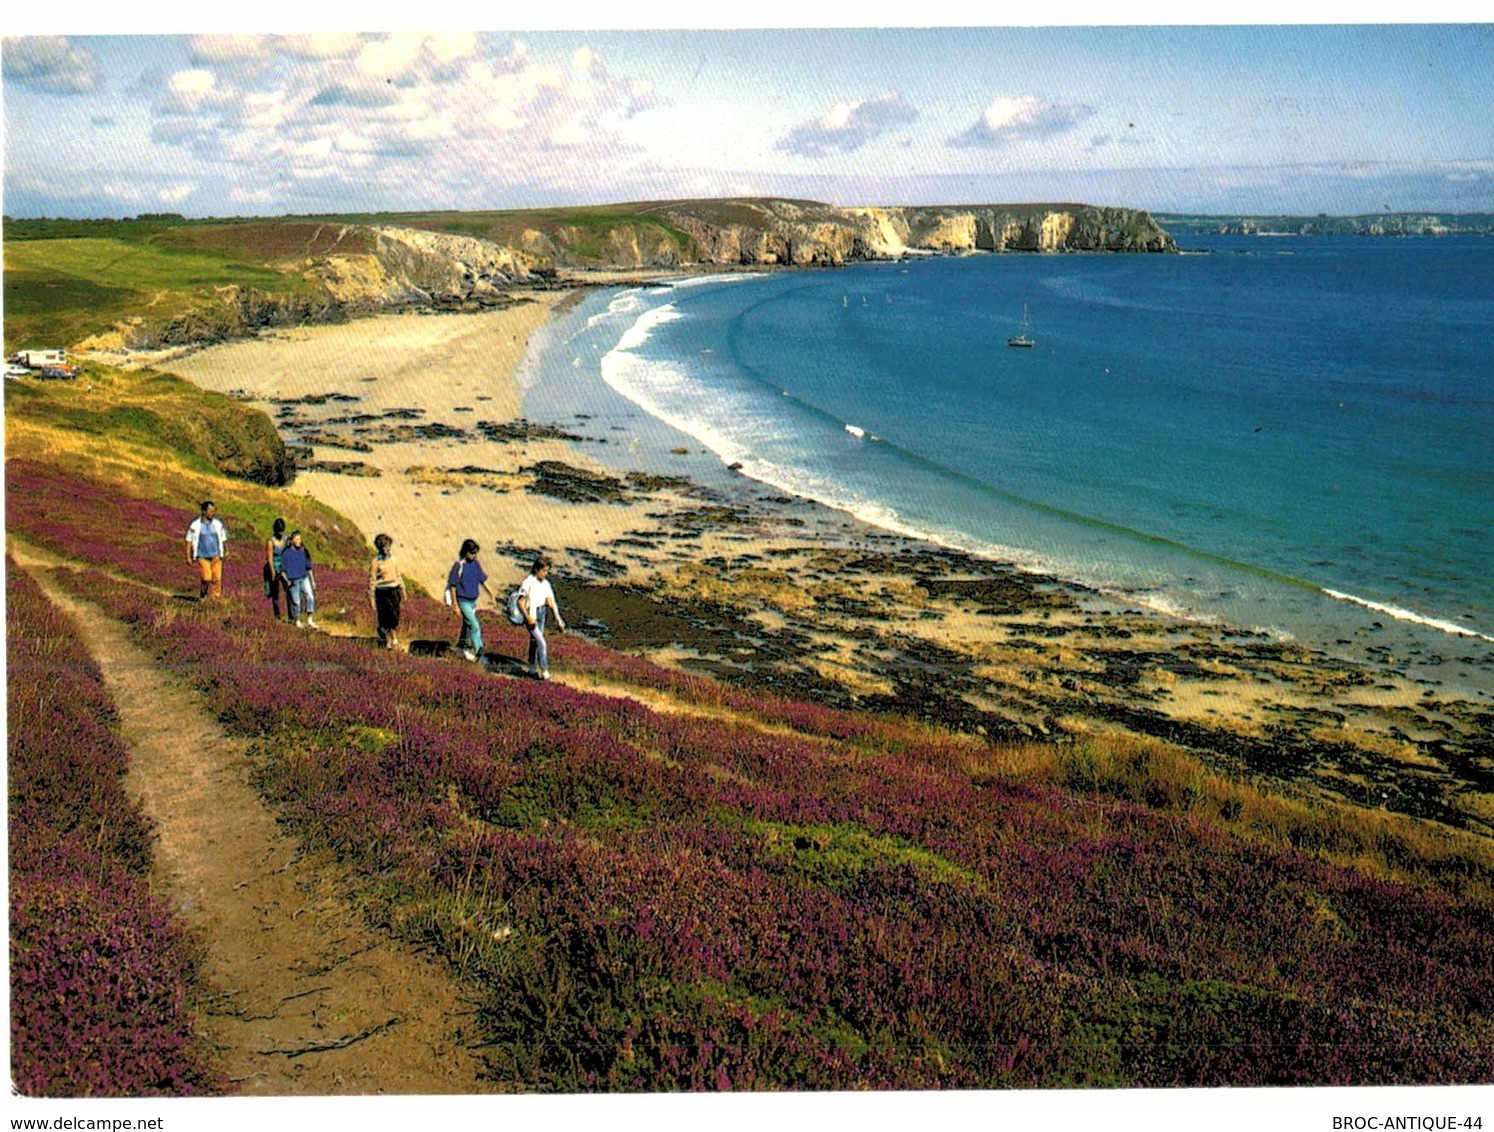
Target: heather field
102, 971
652, 882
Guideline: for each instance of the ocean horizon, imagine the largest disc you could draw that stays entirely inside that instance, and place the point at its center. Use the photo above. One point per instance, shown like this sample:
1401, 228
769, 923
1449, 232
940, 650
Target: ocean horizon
1285, 436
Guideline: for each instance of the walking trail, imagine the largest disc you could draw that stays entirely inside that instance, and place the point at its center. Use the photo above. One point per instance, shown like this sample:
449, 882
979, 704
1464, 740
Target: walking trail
305, 998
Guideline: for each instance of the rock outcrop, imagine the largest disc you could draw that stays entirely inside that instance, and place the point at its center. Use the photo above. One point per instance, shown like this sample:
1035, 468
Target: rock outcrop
348, 270
412, 267
772, 231
804, 232
1371, 224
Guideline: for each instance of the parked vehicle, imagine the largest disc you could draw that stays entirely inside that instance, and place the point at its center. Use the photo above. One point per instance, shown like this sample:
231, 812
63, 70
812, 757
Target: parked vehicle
36, 359
62, 372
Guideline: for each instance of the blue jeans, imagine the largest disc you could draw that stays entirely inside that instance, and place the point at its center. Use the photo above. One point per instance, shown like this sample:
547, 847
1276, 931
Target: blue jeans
300, 593
471, 630
539, 651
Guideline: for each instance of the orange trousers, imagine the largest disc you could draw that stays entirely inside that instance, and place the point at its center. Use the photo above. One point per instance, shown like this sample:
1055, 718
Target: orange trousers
212, 577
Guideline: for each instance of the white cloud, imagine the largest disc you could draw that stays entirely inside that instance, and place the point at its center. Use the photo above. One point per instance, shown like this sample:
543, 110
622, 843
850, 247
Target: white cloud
585, 61
121, 191
328, 45
175, 194
446, 114
1007, 121
229, 48
186, 91
51, 63
406, 56
848, 126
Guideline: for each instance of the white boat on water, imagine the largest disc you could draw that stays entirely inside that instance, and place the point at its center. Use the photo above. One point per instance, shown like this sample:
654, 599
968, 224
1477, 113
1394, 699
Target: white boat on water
1023, 340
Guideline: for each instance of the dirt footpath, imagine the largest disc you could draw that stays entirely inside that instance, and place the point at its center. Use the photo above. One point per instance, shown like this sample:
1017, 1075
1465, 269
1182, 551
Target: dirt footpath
307, 1000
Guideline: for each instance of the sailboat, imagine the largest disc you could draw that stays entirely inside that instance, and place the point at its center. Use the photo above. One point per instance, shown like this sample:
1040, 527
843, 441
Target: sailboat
1023, 339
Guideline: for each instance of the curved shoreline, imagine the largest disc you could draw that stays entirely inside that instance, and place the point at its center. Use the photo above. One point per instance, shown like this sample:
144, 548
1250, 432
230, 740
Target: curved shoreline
1174, 580
749, 585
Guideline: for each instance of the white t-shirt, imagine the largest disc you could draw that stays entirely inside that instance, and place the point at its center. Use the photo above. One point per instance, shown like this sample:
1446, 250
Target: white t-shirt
195, 531
535, 593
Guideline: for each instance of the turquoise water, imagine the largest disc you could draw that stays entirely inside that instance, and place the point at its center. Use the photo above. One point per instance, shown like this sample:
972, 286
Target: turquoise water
1293, 435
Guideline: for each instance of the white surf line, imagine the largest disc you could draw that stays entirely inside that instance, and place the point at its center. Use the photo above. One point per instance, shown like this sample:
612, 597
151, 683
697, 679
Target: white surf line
1407, 615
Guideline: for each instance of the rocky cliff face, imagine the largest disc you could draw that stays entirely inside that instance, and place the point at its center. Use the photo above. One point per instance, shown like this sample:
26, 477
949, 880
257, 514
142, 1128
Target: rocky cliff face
1014, 228
765, 232
231, 312
401, 268
803, 233
411, 267
406, 269
796, 233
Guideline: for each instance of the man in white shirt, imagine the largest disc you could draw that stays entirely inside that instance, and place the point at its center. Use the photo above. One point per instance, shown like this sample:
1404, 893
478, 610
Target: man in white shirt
207, 545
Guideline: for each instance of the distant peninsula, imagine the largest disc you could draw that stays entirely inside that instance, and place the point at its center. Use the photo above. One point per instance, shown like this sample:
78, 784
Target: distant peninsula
1367, 224
165, 280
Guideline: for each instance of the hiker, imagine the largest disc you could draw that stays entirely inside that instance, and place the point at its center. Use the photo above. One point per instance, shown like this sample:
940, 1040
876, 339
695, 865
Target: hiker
274, 583
536, 602
295, 568
386, 589
466, 583
207, 545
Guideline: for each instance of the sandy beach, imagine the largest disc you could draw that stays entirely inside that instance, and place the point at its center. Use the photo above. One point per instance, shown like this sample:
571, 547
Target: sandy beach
398, 413
413, 428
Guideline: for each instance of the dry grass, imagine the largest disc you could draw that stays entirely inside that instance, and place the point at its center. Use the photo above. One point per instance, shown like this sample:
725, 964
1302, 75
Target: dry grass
96, 429
1378, 843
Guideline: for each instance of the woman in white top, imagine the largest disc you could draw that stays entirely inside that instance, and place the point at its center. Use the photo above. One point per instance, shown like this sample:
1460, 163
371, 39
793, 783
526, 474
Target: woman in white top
536, 601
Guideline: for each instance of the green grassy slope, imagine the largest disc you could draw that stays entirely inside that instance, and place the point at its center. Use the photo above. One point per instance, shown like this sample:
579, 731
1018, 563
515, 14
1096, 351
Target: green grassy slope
158, 437
60, 289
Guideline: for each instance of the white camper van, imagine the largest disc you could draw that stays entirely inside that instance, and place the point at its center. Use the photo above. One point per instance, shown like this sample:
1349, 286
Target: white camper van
35, 359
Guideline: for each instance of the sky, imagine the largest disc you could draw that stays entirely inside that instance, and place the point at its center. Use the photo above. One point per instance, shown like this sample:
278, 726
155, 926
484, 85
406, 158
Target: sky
1274, 118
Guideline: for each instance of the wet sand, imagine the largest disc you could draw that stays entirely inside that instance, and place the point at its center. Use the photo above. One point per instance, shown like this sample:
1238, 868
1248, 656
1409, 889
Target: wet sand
412, 427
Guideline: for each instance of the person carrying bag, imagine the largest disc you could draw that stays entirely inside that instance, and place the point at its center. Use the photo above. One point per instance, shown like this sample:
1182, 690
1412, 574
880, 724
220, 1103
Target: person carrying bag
536, 601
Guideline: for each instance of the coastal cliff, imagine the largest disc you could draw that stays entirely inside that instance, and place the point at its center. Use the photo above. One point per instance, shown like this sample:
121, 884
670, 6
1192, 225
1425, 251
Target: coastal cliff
769, 231
408, 266
1368, 224
290, 271
1020, 228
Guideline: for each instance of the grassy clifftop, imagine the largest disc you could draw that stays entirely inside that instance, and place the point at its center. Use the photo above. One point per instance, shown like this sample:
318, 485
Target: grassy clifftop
154, 436
66, 281
675, 885
162, 280
148, 414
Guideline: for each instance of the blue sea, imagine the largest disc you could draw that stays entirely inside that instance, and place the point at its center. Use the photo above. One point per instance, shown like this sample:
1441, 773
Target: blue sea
1290, 435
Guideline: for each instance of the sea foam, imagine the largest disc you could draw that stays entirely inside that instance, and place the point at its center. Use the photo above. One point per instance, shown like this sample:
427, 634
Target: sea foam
1415, 618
